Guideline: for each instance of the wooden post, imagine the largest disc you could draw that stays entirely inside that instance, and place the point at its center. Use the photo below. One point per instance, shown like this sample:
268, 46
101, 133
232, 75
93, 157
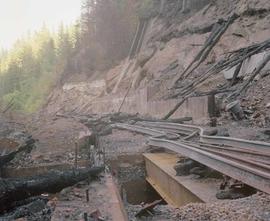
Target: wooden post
184, 5
87, 195
162, 3
85, 216
76, 155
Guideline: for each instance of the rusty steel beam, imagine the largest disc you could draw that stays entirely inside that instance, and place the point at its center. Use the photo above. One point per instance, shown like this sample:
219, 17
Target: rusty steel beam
177, 191
169, 188
249, 174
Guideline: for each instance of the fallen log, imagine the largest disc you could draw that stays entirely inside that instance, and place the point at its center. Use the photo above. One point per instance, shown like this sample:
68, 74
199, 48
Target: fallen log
12, 190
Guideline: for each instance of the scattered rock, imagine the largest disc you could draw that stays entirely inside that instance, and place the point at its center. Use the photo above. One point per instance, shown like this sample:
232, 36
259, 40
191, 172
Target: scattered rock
206, 172
223, 132
256, 115
184, 166
236, 193
210, 132
96, 215
236, 110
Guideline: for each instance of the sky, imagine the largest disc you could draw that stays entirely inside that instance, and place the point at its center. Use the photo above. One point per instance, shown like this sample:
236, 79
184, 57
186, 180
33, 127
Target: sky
18, 17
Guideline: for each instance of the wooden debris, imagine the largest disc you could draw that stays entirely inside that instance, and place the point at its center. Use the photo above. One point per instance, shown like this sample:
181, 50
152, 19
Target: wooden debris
12, 190
218, 30
167, 116
10, 156
26, 208
232, 59
148, 207
254, 74
96, 215
235, 74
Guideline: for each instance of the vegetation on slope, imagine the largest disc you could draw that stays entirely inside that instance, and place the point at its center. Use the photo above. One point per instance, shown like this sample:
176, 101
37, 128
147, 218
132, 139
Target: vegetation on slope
30, 68
38, 62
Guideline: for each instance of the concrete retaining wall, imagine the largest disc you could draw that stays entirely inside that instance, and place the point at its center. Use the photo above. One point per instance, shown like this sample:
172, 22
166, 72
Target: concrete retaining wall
199, 108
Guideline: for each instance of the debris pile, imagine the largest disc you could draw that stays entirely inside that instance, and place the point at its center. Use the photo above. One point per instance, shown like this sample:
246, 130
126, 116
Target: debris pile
255, 207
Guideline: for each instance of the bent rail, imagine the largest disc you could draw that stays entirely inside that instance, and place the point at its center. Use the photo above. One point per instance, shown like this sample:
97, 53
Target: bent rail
244, 160
246, 172
229, 141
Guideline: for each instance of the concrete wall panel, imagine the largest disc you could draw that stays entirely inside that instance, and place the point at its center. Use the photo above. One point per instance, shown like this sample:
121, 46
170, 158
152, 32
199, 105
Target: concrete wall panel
197, 107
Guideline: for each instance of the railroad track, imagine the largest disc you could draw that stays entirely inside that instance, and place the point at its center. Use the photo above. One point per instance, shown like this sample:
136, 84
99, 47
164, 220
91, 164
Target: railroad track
148, 131
244, 160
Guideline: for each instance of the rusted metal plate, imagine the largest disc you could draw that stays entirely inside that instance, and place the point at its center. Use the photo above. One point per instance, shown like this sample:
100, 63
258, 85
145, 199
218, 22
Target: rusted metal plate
117, 211
176, 191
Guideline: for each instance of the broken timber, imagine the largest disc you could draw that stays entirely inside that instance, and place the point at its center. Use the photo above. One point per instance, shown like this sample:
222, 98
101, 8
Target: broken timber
218, 30
12, 190
232, 59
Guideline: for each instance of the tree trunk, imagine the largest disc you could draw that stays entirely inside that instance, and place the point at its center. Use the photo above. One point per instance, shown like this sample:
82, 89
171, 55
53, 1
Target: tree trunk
12, 190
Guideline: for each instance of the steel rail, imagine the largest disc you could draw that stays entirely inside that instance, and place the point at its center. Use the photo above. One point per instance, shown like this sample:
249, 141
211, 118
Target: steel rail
218, 153
262, 161
236, 149
229, 149
163, 125
229, 141
245, 160
238, 170
147, 131
228, 154
169, 130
